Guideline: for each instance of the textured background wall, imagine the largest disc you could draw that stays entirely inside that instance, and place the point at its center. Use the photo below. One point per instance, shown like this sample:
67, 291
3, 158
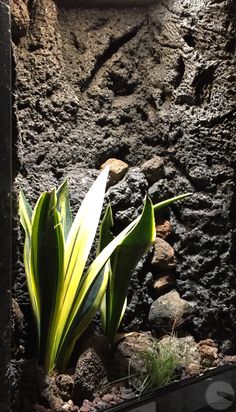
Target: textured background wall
5, 202
132, 83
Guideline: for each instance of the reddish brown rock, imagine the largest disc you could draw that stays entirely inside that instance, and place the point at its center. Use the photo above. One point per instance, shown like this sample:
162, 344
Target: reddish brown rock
209, 353
108, 397
118, 169
193, 369
163, 228
163, 258
153, 169
86, 407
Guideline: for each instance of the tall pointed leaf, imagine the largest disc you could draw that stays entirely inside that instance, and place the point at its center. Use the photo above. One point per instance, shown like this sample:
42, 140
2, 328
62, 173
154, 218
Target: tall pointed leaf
25, 212
63, 207
77, 249
81, 317
123, 261
47, 264
104, 239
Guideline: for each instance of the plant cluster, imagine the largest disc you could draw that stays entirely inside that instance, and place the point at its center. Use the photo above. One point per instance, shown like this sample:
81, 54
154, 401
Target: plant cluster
64, 295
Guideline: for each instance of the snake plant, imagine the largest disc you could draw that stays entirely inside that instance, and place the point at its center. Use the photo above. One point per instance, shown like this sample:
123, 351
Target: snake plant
64, 294
124, 259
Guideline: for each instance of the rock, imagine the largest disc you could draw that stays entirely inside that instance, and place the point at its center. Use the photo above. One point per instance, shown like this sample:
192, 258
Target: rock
29, 385
228, 359
160, 191
163, 228
68, 406
118, 169
19, 17
75, 408
164, 256
227, 347
126, 197
16, 312
169, 311
51, 394
108, 397
65, 385
87, 406
164, 283
153, 169
128, 349
193, 369
17, 326
209, 353
90, 376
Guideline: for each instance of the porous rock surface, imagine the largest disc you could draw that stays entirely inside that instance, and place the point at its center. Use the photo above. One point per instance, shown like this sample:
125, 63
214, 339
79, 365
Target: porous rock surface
131, 84
169, 312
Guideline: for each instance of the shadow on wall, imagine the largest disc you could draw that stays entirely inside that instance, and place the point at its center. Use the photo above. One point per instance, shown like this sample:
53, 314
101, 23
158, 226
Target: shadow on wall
107, 3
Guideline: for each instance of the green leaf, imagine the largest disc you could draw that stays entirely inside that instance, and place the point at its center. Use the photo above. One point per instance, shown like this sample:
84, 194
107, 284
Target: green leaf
63, 207
83, 313
77, 249
167, 202
126, 256
104, 239
25, 212
93, 277
47, 266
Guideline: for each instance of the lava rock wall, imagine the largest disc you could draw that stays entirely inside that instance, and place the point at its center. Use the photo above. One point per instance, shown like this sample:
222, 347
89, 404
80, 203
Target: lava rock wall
132, 83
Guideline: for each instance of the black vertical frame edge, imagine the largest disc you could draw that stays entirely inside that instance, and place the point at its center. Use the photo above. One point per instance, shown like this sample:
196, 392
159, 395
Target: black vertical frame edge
5, 201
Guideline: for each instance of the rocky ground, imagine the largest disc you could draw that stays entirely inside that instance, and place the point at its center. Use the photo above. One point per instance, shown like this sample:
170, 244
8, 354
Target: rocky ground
100, 380
102, 376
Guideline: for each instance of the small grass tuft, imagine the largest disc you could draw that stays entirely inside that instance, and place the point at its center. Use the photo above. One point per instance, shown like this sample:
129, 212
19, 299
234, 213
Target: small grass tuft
159, 366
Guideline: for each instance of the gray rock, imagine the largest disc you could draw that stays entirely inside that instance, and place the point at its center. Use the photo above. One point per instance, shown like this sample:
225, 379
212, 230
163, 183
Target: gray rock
90, 376
65, 384
153, 169
168, 312
127, 196
159, 191
27, 383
